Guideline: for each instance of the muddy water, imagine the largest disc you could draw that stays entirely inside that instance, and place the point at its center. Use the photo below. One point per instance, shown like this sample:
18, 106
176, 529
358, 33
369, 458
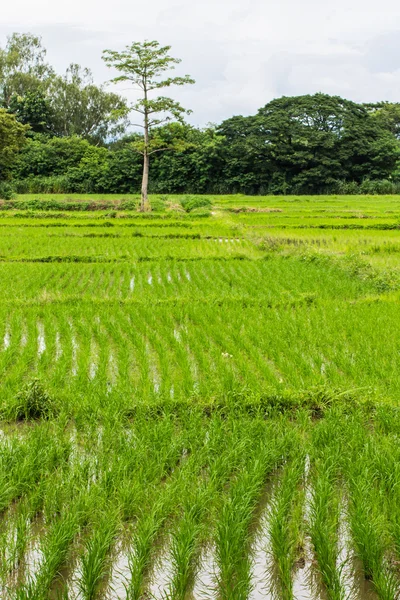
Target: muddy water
119, 577
74, 344
354, 584
262, 564
205, 585
94, 358
160, 581
33, 558
303, 584
41, 340
120, 571
59, 350
6, 339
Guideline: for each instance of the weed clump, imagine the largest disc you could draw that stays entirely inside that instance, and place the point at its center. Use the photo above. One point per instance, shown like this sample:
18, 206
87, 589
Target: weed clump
33, 403
191, 203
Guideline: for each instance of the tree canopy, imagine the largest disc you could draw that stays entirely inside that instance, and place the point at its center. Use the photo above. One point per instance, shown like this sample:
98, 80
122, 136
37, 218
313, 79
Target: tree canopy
12, 139
61, 105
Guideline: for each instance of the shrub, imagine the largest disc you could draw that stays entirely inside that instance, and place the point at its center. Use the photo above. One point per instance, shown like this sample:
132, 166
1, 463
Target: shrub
6, 191
128, 205
157, 205
190, 203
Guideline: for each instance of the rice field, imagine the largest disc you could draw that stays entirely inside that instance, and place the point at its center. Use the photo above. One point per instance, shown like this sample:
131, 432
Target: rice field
201, 407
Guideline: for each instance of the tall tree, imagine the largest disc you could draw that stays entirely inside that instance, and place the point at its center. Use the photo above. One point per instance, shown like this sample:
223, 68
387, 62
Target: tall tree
82, 108
23, 67
143, 64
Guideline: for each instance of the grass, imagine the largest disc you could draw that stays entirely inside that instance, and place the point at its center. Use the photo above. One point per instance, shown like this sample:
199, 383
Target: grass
200, 381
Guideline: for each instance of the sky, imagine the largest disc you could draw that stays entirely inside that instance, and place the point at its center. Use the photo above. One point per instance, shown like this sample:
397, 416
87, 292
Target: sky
242, 53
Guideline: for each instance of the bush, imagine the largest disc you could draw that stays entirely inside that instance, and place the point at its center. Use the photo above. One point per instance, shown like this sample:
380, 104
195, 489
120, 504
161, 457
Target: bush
157, 205
54, 184
33, 402
6, 191
190, 203
128, 205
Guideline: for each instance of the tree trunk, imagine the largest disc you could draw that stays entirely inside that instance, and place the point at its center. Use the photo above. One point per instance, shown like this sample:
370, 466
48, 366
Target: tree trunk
144, 205
145, 182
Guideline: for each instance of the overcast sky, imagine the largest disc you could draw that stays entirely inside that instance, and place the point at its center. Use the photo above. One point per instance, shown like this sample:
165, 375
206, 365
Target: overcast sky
242, 53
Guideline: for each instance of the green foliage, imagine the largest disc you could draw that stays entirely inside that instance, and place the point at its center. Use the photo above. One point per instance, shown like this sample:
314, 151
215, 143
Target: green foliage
6, 191
56, 105
34, 110
12, 139
331, 147
23, 69
143, 65
81, 108
306, 143
190, 203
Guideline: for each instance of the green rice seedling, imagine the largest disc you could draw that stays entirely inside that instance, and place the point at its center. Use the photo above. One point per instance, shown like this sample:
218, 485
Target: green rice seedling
196, 502
140, 558
368, 524
284, 525
152, 517
370, 540
25, 461
200, 332
185, 549
14, 541
94, 559
326, 506
324, 528
233, 533
55, 547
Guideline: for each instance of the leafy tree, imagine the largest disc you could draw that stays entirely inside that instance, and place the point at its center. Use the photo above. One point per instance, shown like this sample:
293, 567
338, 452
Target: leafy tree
12, 139
22, 67
42, 156
387, 115
245, 166
193, 169
81, 108
34, 110
305, 144
143, 65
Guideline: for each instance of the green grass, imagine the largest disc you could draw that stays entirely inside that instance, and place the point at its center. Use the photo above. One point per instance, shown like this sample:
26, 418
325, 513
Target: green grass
177, 386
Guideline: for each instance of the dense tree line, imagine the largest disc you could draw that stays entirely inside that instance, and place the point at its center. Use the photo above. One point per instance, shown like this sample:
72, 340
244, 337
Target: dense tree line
65, 134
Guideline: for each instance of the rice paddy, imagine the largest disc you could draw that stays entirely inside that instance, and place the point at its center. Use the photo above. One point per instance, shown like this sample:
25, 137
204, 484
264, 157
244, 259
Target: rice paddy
198, 407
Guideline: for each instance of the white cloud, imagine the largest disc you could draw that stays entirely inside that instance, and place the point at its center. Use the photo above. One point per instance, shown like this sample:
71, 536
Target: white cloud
241, 52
